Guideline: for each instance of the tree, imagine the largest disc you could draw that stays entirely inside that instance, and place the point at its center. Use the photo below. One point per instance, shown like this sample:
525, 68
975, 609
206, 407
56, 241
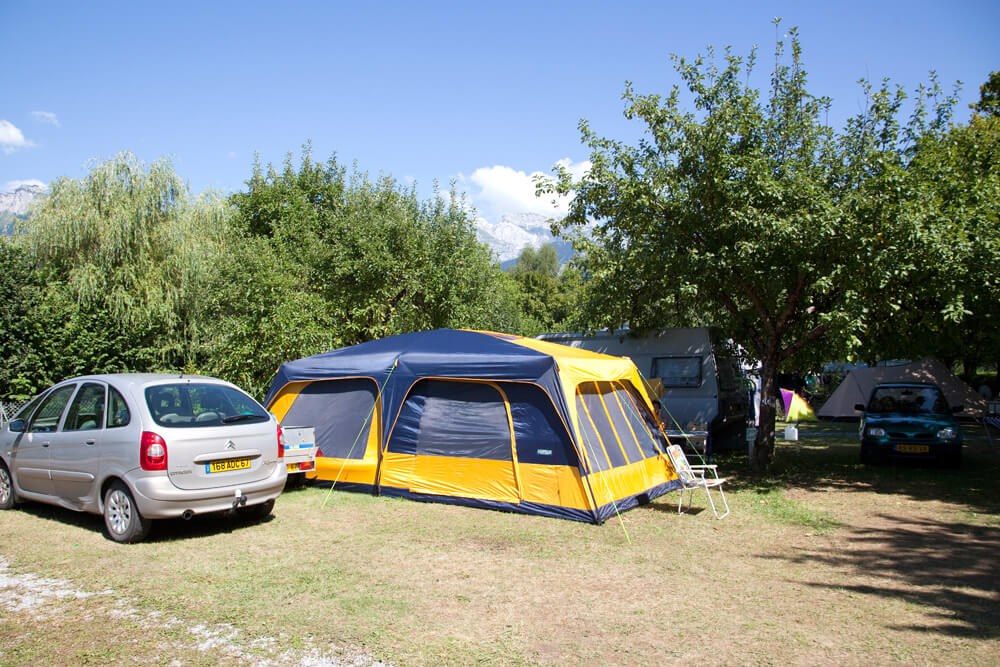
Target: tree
324, 259
951, 307
549, 297
124, 257
755, 213
544, 260
989, 96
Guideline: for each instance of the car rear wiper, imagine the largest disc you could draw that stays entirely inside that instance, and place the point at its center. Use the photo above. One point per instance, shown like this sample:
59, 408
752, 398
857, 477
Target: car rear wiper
239, 418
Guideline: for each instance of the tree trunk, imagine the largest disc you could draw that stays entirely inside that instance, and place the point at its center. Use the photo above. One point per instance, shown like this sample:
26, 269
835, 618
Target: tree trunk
764, 445
970, 366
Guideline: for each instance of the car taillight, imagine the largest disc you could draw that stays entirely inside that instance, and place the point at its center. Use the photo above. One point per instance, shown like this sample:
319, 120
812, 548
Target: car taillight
281, 443
152, 452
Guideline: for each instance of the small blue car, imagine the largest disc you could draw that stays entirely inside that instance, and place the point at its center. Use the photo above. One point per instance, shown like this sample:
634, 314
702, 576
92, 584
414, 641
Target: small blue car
910, 421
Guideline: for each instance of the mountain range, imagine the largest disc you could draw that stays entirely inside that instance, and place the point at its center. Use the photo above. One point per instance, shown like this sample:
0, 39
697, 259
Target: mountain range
16, 205
513, 232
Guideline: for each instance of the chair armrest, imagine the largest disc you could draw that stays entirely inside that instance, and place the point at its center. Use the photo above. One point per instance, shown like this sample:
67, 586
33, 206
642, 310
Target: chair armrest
702, 468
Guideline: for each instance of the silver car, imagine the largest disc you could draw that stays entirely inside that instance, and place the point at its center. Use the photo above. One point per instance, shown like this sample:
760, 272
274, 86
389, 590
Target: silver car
138, 447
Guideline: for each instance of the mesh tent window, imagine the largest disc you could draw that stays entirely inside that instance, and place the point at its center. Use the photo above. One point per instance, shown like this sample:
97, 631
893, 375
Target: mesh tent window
340, 411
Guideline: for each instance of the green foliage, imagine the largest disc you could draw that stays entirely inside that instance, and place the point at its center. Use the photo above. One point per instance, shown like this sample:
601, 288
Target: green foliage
549, 299
989, 96
124, 271
948, 296
752, 214
544, 260
323, 259
131, 253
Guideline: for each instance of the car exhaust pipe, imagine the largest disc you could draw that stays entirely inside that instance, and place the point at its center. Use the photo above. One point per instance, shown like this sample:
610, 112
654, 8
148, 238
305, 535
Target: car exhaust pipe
187, 515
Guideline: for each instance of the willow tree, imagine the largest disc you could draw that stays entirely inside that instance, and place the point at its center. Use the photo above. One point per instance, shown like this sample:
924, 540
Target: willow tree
741, 209
133, 251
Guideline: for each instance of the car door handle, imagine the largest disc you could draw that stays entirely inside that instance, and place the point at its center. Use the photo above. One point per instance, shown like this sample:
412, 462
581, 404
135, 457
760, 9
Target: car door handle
90, 442
45, 444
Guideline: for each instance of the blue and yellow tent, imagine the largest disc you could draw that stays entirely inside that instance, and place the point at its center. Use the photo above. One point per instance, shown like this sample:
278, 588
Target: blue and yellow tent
481, 419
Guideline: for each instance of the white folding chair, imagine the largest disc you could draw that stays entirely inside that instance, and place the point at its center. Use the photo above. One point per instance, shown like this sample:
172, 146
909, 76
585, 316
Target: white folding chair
694, 477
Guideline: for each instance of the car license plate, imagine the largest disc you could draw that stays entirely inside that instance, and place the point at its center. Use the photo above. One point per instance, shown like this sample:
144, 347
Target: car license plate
227, 465
913, 449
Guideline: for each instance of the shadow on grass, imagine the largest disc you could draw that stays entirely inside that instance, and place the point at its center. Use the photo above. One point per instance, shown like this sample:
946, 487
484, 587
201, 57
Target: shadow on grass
950, 568
832, 463
163, 530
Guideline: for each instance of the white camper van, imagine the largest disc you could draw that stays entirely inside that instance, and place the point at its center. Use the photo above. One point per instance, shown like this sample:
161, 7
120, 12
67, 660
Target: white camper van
701, 375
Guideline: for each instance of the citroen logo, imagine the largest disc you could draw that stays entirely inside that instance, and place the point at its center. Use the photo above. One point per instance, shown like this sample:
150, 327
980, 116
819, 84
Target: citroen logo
230, 445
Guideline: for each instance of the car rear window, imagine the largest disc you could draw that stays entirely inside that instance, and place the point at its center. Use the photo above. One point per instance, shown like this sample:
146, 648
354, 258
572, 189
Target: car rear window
183, 404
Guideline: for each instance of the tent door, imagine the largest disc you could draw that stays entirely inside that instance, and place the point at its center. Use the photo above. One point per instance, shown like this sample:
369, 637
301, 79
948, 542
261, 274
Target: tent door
464, 446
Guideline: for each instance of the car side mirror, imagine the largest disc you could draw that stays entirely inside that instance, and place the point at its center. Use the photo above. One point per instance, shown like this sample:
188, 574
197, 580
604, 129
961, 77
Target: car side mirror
16, 426
957, 408
860, 407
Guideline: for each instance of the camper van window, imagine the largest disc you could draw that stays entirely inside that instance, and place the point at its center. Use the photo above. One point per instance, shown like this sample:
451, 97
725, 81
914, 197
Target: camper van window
678, 371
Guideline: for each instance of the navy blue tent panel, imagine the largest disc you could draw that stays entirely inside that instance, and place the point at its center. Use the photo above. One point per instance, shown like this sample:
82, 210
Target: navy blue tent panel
540, 435
340, 411
448, 418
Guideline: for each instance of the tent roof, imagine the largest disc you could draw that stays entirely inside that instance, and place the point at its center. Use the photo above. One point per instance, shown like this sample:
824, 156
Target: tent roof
451, 353
858, 385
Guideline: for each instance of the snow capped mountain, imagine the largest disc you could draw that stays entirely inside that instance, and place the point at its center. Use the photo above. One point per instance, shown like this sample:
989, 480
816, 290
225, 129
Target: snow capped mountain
513, 232
18, 201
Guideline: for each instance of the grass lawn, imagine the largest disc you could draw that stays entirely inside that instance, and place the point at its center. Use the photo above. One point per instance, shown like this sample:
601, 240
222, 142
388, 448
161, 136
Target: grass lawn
825, 561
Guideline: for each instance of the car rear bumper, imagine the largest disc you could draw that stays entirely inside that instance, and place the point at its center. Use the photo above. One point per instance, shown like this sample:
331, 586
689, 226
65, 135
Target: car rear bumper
158, 498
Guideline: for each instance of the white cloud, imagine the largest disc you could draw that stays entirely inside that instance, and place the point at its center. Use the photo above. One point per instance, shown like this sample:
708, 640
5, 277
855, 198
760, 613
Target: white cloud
11, 138
499, 190
46, 117
10, 186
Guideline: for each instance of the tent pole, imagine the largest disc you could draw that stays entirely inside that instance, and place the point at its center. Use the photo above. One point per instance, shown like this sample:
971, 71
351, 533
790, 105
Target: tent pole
378, 463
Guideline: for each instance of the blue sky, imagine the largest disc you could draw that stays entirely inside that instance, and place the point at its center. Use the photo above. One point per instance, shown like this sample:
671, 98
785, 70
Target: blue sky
480, 93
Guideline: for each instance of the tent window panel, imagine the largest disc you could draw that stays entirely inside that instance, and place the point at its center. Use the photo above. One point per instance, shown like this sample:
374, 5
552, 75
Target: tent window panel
591, 444
647, 416
456, 419
620, 421
340, 411
591, 394
640, 419
540, 435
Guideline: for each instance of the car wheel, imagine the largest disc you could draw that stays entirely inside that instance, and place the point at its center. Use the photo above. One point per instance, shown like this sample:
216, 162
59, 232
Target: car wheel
7, 497
257, 512
121, 516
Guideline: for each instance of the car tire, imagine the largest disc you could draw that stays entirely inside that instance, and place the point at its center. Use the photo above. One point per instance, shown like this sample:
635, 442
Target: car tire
8, 497
121, 516
257, 512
